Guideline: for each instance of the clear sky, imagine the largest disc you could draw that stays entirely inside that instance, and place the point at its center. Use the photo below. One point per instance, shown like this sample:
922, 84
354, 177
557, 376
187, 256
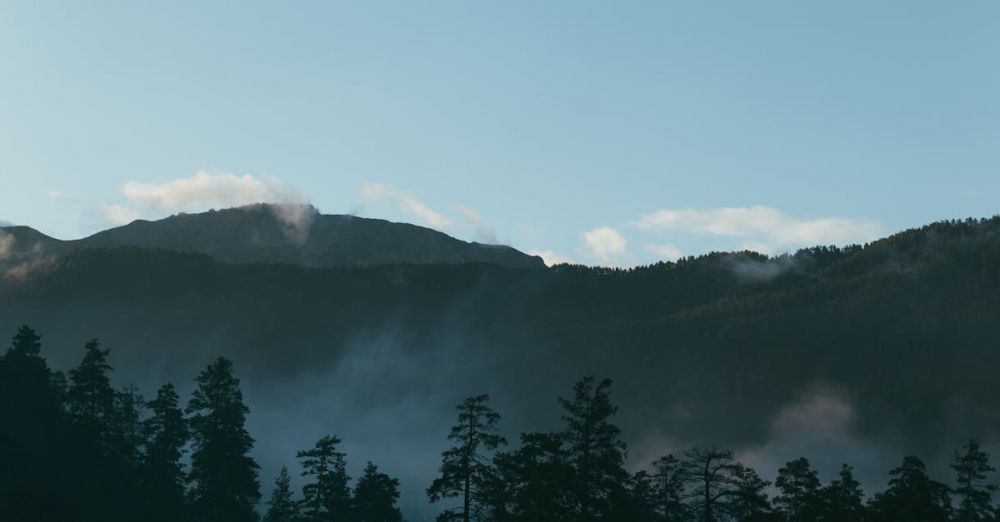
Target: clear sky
605, 132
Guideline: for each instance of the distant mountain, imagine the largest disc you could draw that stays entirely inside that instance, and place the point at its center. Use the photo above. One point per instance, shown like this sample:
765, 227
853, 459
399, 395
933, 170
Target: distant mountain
284, 234
859, 354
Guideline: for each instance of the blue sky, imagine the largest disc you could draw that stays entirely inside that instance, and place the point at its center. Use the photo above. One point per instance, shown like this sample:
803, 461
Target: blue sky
608, 132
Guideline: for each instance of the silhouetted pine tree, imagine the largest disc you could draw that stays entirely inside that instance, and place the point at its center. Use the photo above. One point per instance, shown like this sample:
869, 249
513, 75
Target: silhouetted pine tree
912, 495
281, 507
375, 497
90, 398
327, 496
843, 499
126, 443
162, 474
668, 487
538, 478
465, 467
639, 503
712, 476
799, 488
974, 492
748, 501
223, 475
593, 448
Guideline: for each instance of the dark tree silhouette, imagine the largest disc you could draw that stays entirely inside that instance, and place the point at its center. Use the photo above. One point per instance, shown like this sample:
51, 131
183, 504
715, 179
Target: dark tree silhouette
668, 484
375, 497
712, 476
281, 507
223, 475
162, 474
843, 499
748, 501
593, 448
326, 496
799, 488
975, 493
912, 495
90, 398
538, 478
639, 504
465, 468
127, 443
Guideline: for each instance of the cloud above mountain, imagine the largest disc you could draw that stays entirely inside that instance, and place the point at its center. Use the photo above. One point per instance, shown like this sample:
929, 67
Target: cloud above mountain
762, 228
607, 246
206, 190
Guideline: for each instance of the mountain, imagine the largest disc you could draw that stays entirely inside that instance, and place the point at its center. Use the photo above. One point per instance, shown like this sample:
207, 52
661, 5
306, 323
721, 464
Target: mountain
283, 234
859, 354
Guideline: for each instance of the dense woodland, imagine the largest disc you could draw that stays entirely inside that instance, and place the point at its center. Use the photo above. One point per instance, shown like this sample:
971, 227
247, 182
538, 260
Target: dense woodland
74, 448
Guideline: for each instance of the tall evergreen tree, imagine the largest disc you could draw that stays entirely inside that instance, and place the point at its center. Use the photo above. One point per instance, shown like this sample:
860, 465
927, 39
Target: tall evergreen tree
90, 397
162, 473
127, 441
748, 501
223, 475
593, 448
843, 499
974, 492
912, 495
281, 507
712, 476
668, 484
326, 496
465, 467
375, 497
799, 487
538, 476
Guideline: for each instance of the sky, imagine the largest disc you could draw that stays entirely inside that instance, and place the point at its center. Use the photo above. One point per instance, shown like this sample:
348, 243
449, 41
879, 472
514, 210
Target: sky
611, 133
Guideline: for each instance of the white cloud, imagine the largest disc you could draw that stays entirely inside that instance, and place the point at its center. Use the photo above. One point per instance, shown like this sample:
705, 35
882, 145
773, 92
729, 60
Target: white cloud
606, 245
206, 190
665, 251
765, 228
119, 215
552, 258
483, 232
406, 202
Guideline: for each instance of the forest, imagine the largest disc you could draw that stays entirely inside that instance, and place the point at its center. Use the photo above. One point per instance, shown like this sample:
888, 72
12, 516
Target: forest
75, 448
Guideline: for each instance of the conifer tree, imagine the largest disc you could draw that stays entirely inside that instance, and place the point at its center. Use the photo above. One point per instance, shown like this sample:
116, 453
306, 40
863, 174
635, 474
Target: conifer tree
912, 495
843, 499
90, 397
799, 488
466, 468
162, 473
126, 441
375, 497
281, 507
538, 476
223, 475
712, 476
748, 501
975, 494
593, 448
326, 496
668, 484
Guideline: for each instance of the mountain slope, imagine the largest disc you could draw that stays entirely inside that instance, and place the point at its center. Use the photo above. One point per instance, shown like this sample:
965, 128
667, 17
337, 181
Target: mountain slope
285, 234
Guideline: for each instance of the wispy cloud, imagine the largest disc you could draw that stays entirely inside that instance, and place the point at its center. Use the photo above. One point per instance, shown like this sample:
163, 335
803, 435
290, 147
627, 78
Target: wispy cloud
606, 245
407, 203
6, 244
552, 258
119, 215
762, 228
206, 190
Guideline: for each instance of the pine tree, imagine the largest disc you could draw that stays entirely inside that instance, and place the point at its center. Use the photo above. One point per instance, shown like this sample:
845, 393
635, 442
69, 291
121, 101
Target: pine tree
593, 448
843, 499
538, 478
668, 485
223, 475
327, 496
375, 497
799, 486
975, 494
126, 442
90, 398
281, 507
465, 467
162, 473
712, 476
912, 495
748, 501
